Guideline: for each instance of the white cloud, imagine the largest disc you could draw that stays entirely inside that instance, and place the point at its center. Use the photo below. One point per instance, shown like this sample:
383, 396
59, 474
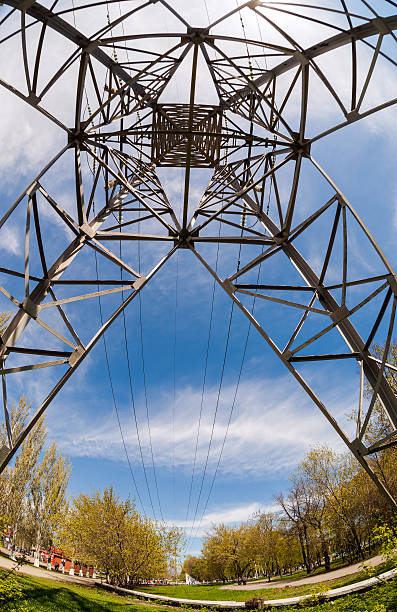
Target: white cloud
11, 240
272, 427
228, 515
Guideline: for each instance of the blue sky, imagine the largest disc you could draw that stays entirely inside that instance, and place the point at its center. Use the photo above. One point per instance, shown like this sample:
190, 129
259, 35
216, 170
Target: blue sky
273, 422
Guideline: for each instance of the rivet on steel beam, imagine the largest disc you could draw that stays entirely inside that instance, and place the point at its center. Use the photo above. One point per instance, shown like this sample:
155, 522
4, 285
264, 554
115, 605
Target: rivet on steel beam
301, 57
92, 46
33, 188
24, 5
33, 99
341, 200
353, 115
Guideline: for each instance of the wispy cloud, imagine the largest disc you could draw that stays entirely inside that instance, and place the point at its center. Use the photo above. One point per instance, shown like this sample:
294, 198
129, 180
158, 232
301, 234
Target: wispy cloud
228, 515
11, 242
272, 427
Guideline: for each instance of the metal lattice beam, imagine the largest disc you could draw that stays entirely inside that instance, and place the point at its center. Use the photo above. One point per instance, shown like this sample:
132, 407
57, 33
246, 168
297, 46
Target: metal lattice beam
255, 136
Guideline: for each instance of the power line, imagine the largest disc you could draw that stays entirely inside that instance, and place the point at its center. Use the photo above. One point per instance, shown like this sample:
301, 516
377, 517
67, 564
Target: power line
203, 386
132, 393
112, 388
174, 375
215, 414
233, 403
145, 385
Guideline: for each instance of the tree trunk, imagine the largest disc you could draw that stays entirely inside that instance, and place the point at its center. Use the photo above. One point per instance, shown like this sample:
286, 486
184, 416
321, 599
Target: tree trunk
306, 561
357, 542
37, 552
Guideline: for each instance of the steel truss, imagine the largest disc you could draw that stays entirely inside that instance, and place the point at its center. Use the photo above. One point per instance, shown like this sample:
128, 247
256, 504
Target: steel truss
258, 149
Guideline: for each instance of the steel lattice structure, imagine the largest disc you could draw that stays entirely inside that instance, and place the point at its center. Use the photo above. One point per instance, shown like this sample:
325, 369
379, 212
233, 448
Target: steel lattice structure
257, 140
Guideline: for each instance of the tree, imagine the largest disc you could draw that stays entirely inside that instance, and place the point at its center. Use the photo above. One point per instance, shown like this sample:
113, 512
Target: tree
333, 475
32, 493
47, 494
4, 317
229, 551
274, 544
110, 534
195, 567
15, 481
296, 509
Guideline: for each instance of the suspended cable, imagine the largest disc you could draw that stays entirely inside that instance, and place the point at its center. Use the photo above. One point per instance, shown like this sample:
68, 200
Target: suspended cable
233, 404
246, 43
174, 375
74, 16
204, 382
215, 415
217, 403
132, 391
145, 385
206, 10
177, 282
108, 364
220, 387
112, 388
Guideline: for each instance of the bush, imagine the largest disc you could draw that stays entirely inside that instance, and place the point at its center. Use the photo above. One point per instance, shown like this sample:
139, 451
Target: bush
12, 596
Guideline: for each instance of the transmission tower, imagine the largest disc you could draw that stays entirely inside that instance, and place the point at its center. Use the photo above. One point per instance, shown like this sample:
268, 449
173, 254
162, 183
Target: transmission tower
307, 73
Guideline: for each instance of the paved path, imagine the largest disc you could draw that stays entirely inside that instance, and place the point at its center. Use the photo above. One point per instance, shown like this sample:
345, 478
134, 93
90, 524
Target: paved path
38, 572
339, 573
271, 603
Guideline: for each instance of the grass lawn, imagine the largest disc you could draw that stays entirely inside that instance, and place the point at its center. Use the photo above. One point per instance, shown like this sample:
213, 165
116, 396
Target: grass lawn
48, 595
215, 593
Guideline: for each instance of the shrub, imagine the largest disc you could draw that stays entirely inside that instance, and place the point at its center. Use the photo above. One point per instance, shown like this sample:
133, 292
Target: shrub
12, 596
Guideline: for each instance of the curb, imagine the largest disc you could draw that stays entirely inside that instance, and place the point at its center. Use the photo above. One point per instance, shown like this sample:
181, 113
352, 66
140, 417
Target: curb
273, 603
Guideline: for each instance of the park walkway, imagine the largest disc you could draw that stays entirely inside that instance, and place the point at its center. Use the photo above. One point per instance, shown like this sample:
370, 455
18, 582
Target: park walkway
279, 584
257, 585
38, 572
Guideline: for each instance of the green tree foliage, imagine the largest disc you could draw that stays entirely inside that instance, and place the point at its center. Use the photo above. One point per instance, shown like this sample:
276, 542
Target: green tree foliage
33, 489
4, 317
331, 508
48, 494
228, 551
110, 534
386, 536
